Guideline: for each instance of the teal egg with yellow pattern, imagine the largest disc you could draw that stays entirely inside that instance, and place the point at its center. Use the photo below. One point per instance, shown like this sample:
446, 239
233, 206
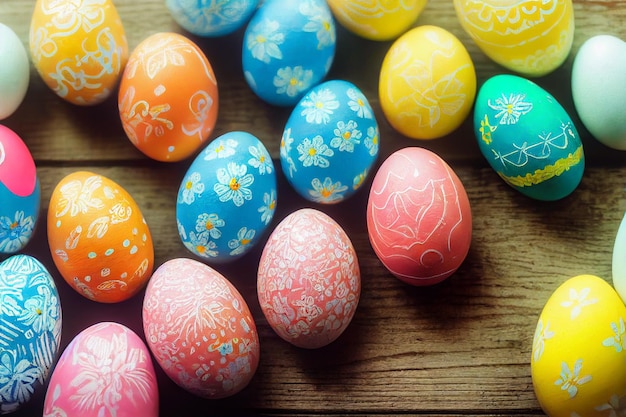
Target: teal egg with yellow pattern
528, 138
227, 198
330, 142
288, 48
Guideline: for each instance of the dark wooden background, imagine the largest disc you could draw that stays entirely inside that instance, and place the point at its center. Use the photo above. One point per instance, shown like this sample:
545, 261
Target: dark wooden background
459, 348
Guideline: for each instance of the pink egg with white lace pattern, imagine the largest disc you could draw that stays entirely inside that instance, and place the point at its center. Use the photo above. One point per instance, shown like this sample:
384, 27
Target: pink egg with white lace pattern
309, 281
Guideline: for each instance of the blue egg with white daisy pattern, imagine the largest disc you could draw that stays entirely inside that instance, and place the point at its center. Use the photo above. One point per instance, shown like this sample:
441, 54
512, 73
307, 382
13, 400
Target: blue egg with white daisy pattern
211, 18
330, 142
288, 48
227, 198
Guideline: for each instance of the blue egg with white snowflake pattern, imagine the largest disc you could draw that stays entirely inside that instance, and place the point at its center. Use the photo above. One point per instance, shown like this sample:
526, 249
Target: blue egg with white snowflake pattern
528, 138
20, 193
288, 48
30, 329
330, 142
209, 17
227, 198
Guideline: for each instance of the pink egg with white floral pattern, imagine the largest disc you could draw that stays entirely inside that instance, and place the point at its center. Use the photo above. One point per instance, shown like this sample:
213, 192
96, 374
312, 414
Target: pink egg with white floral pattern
200, 329
309, 281
106, 370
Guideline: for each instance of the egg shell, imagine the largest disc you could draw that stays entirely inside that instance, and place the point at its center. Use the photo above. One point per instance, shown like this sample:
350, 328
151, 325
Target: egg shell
599, 89
105, 370
227, 198
528, 138
99, 240
31, 322
427, 83
309, 281
199, 329
20, 193
330, 142
168, 97
78, 48
529, 37
379, 21
14, 71
288, 47
619, 260
419, 219
211, 18
578, 363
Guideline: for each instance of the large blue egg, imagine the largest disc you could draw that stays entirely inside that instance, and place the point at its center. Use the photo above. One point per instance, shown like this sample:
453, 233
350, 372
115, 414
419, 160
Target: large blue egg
528, 138
20, 193
227, 198
288, 47
330, 142
209, 17
30, 329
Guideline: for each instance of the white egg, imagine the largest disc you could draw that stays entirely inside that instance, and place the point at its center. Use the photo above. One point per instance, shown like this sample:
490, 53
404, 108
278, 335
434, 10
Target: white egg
599, 89
619, 260
14, 71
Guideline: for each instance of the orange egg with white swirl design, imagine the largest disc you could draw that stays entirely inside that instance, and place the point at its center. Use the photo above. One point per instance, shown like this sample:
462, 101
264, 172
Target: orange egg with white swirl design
419, 219
530, 37
168, 97
99, 240
79, 48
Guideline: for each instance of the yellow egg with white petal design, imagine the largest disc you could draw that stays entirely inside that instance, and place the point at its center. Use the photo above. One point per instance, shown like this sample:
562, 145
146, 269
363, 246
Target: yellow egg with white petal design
578, 362
530, 37
427, 83
377, 20
78, 47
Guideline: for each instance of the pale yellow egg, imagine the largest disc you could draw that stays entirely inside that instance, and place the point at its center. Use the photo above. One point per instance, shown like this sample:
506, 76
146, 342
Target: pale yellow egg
427, 83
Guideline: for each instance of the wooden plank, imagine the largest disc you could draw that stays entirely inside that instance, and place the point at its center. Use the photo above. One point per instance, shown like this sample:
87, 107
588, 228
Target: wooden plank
459, 348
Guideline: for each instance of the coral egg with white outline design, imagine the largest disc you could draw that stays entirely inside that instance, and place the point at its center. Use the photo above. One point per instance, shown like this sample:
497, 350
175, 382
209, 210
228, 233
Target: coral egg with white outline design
419, 218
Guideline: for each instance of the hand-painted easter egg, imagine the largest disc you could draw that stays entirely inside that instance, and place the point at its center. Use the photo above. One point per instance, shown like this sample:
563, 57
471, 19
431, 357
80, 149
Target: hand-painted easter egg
427, 83
210, 18
599, 89
78, 48
530, 37
528, 138
105, 370
99, 240
199, 329
419, 218
168, 97
330, 142
377, 20
619, 260
309, 281
20, 193
14, 71
30, 319
289, 47
578, 362
227, 198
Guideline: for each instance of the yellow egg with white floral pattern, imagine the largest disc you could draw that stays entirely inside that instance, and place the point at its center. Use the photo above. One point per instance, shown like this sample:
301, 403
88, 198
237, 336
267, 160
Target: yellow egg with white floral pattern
578, 362
527, 36
427, 83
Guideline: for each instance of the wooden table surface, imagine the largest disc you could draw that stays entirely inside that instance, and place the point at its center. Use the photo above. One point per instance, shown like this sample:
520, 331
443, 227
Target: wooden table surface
459, 348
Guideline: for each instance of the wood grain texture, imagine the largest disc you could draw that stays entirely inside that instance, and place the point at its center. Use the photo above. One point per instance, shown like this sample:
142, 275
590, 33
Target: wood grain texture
459, 348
